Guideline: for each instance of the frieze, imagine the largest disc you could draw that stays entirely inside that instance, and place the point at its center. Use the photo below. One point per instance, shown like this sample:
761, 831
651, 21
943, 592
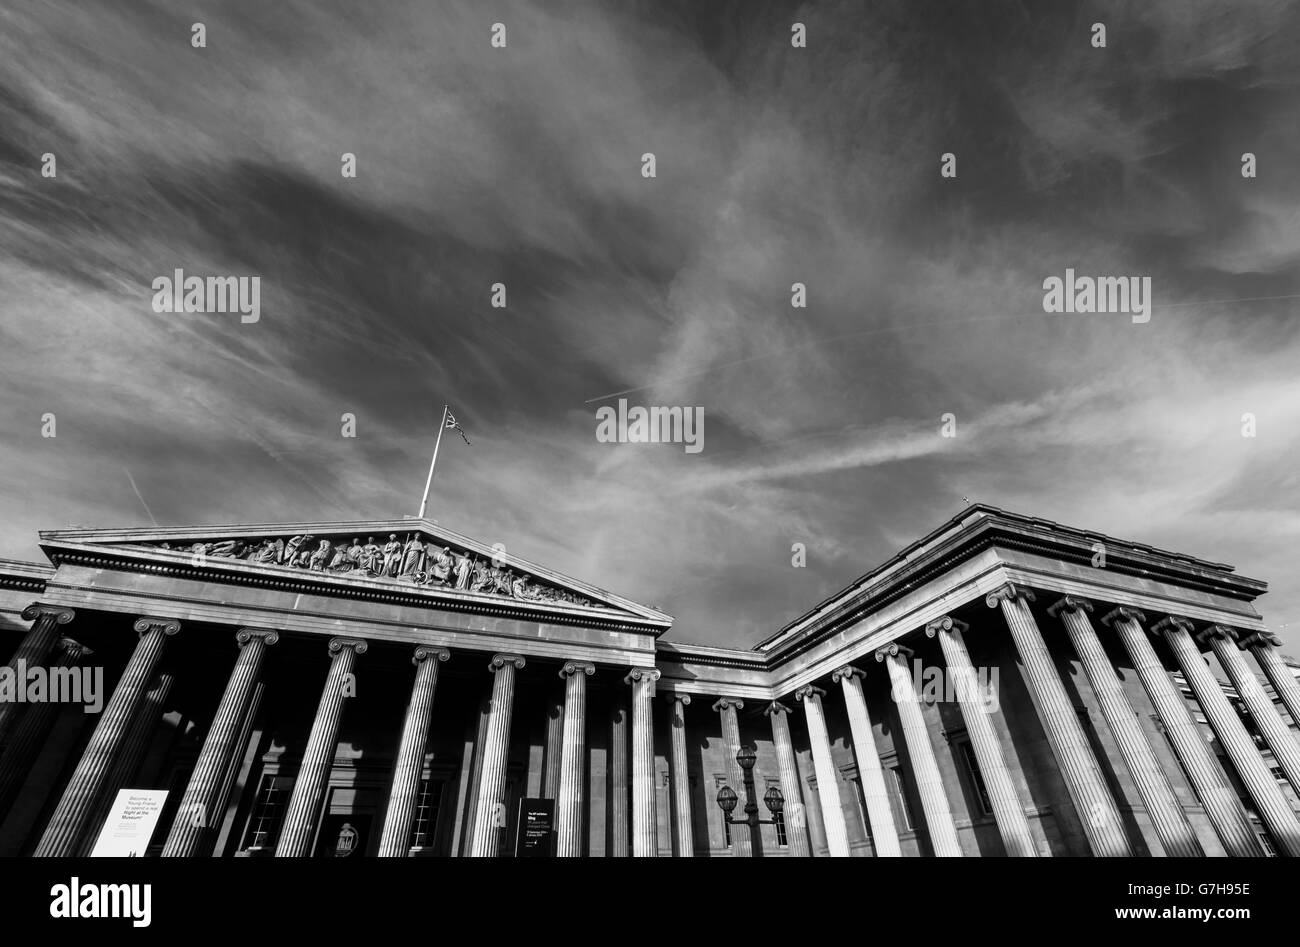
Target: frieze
417, 562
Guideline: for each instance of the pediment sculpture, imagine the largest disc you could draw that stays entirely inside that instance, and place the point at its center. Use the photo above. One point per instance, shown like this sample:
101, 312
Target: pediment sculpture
417, 561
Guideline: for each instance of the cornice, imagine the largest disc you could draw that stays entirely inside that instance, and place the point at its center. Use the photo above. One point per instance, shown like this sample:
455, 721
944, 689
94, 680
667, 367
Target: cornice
235, 573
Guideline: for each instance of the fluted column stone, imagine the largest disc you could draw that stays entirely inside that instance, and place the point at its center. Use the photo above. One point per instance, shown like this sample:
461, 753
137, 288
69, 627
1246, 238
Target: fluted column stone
884, 833
1098, 812
1207, 777
71, 817
308, 794
1279, 737
1263, 789
573, 754
1264, 646
35, 646
32, 730
1008, 810
395, 842
491, 815
683, 832
925, 767
795, 813
1176, 834
644, 822
828, 790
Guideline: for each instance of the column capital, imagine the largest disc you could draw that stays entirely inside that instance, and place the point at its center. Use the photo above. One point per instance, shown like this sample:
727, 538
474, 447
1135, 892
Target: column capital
776, 707
425, 651
1069, 603
359, 645
60, 614
637, 674
946, 623
577, 667
1260, 639
1010, 592
894, 650
145, 624
244, 635
1123, 612
74, 649
725, 703
685, 699
1225, 632
1172, 623
501, 660
809, 692
846, 673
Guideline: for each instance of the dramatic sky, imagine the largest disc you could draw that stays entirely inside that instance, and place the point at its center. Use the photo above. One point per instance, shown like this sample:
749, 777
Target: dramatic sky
774, 165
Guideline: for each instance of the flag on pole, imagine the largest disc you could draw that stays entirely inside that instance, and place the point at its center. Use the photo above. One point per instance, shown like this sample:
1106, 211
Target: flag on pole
453, 425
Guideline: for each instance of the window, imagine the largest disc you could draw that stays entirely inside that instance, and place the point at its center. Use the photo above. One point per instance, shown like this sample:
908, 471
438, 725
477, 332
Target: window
976, 777
781, 838
1269, 848
427, 801
900, 790
268, 810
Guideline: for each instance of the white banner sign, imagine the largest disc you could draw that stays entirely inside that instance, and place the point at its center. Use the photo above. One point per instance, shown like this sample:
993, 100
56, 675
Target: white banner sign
130, 823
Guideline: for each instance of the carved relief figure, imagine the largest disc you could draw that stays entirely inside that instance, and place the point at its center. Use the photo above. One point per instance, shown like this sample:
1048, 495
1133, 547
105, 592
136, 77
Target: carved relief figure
501, 581
413, 557
464, 565
371, 556
440, 568
355, 553
339, 560
392, 555
482, 577
320, 556
291, 550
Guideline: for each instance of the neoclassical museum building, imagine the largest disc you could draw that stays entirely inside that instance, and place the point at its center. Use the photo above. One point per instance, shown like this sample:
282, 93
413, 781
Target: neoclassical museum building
1004, 686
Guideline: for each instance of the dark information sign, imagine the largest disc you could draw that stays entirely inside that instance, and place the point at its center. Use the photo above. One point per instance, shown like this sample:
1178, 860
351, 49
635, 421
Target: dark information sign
535, 836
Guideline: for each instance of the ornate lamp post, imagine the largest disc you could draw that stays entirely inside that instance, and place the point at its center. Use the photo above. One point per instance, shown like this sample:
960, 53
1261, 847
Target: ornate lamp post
727, 797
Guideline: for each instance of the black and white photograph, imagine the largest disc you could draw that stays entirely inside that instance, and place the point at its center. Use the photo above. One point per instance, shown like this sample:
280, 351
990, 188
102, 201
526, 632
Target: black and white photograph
679, 429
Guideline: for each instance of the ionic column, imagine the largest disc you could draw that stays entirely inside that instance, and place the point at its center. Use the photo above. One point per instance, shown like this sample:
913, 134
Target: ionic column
1203, 770
32, 650
131, 752
573, 754
828, 790
313, 774
70, 819
741, 844
884, 834
554, 748
31, 732
1008, 811
796, 817
929, 784
618, 783
1096, 807
680, 777
194, 825
1276, 734
645, 842
491, 814
1176, 834
1269, 800
395, 842
1264, 646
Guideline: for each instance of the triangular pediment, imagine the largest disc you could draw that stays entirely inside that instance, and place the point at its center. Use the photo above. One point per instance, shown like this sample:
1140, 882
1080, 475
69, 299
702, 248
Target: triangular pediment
413, 555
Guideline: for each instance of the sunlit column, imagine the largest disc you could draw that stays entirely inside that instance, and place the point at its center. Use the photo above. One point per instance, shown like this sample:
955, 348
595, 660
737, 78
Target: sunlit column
491, 805
1097, 809
828, 791
1008, 811
680, 777
884, 834
573, 754
644, 822
795, 814
395, 842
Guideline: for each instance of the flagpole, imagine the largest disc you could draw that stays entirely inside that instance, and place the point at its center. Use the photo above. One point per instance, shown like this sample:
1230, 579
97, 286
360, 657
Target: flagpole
429, 482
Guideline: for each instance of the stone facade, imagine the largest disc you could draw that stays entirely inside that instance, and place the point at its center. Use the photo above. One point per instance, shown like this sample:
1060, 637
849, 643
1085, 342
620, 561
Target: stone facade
988, 691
